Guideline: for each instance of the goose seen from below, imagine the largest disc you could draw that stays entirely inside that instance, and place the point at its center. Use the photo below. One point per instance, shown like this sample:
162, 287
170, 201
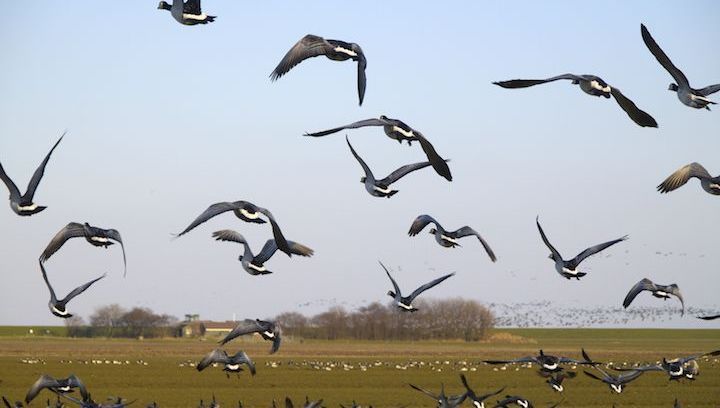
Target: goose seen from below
186, 12
617, 383
61, 385
404, 303
659, 291
58, 307
255, 264
693, 170
231, 364
448, 239
478, 401
269, 331
547, 363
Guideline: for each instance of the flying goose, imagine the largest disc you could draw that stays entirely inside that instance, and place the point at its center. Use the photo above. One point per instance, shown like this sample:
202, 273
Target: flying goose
548, 363
354, 405
510, 399
591, 85
555, 380
308, 403
448, 239
23, 204
231, 363
659, 291
675, 368
313, 46
683, 174
405, 303
443, 401
254, 264
709, 317
398, 130
615, 382
59, 307
477, 400
17, 404
186, 13
247, 212
694, 98
268, 330
95, 236
62, 386
568, 269
381, 188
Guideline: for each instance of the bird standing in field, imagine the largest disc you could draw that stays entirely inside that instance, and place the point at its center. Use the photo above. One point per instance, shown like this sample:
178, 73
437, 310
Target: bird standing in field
313, 46
681, 176
186, 12
255, 264
23, 204
659, 291
448, 239
268, 330
231, 364
405, 303
58, 307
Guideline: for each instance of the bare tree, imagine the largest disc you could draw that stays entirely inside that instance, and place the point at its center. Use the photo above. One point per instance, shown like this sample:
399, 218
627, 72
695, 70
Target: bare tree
74, 326
108, 317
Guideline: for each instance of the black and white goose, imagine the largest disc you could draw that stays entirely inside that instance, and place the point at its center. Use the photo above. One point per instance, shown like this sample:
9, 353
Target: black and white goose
712, 317
95, 236
398, 130
58, 307
61, 385
514, 399
405, 303
308, 403
186, 12
591, 85
443, 401
681, 176
23, 204
548, 363
477, 400
313, 46
568, 269
694, 98
231, 364
247, 212
268, 330
676, 368
555, 380
255, 264
615, 382
381, 188
448, 239
659, 291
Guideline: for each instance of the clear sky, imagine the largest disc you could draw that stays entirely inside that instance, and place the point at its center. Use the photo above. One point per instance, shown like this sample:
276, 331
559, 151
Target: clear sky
164, 120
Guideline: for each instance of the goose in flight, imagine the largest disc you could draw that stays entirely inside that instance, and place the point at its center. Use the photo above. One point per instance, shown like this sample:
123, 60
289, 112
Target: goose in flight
186, 13
659, 291
231, 363
555, 380
254, 264
398, 130
308, 403
381, 188
548, 363
313, 46
676, 367
477, 400
713, 317
443, 401
615, 382
681, 176
448, 239
694, 98
62, 386
591, 85
268, 330
95, 236
513, 399
405, 303
59, 307
568, 269
247, 212
23, 204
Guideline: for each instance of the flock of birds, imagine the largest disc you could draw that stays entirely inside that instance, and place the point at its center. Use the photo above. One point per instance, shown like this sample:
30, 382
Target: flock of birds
190, 13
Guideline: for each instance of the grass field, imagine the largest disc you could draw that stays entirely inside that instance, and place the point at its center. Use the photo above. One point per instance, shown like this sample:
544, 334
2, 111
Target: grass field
150, 370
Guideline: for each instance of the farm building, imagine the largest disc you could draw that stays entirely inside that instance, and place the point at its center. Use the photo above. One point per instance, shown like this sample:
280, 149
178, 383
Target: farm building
194, 327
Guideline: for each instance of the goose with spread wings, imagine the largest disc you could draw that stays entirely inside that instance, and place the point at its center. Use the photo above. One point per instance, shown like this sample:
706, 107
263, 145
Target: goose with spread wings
676, 368
693, 170
694, 98
58, 307
186, 12
398, 130
568, 269
231, 364
478, 401
555, 380
381, 188
548, 363
404, 303
98, 237
443, 401
591, 85
314, 46
514, 399
255, 264
616, 382
709, 317
60, 385
659, 291
22, 204
269, 331
448, 239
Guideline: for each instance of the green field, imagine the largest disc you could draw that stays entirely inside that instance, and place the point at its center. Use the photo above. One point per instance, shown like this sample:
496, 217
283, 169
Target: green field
332, 370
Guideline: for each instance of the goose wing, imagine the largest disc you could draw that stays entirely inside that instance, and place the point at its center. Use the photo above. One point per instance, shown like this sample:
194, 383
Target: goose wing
682, 175
39, 172
675, 290
215, 356
594, 250
276, 340
467, 231
524, 83
366, 169
114, 235
528, 359
403, 171
638, 115
354, 125
80, 289
629, 376
280, 240
308, 47
75, 382
242, 358
14, 192
424, 391
421, 222
486, 396
395, 285
45, 381
591, 375
361, 79
271, 246
192, 7
72, 230
212, 211
662, 58
709, 317
247, 326
428, 285
644, 284
229, 235
437, 162
556, 255
708, 90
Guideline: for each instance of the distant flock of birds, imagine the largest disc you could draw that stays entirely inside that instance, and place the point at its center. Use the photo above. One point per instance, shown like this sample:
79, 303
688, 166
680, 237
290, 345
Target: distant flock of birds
190, 13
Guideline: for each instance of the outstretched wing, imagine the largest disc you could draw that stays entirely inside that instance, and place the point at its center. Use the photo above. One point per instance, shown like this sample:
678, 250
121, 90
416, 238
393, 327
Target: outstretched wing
682, 175
213, 210
708, 90
72, 230
428, 285
675, 290
528, 359
14, 192
396, 288
662, 58
638, 115
556, 255
75, 382
355, 125
45, 381
115, 236
39, 172
438, 163
229, 235
591, 375
280, 240
524, 83
366, 169
644, 284
276, 340
242, 358
709, 317
361, 79
247, 326
627, 377
192, 7
403, 171
271, 246
308, 47
426, 392
467, 231
79, 289
594, 250
420, 223
215, 356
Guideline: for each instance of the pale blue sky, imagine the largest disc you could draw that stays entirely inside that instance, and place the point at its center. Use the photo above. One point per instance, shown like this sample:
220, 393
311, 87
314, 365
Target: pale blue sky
164, 120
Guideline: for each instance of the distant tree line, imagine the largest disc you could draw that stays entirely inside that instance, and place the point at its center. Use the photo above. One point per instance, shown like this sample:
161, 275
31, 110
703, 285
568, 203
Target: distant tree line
116, 321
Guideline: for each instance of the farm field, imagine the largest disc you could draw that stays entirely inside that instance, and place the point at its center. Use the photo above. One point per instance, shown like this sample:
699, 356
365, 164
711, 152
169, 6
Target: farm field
375, 373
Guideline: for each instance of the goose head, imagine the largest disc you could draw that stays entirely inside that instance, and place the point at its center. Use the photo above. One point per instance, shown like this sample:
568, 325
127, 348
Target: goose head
433, 231
163, 5
391, 294
362, 179
673, 87
383, 117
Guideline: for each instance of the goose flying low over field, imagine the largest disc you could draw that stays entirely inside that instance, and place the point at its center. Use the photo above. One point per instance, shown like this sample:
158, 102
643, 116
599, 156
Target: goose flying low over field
591, 85
23, 204
448, 239
186, 13
694, 98
313, 46
659, 291
308, 403
615, 382
59, 307
443, 401
568, 269
514, 400
477, 400
675, 368
681, 176
555, 380
231, 363
398, 130
709, 317
268, 330
62, 386
381, 188
247, 212
548, 363
95, 236
405, 303
255, 264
